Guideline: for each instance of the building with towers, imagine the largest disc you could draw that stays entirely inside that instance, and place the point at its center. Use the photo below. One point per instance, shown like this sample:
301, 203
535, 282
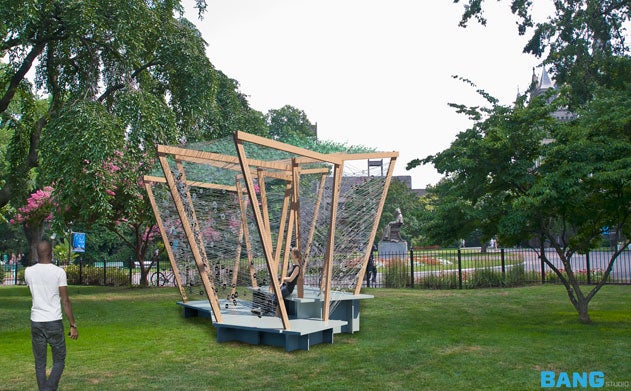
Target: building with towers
540, 86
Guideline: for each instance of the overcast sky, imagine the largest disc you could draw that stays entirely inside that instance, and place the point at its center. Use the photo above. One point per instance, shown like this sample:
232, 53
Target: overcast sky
369, 72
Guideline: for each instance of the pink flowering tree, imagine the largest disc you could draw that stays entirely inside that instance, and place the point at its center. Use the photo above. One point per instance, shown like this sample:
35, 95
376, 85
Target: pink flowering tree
34, 216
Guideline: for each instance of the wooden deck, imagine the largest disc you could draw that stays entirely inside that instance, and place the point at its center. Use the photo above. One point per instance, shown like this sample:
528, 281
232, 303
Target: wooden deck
240, 324
305, 320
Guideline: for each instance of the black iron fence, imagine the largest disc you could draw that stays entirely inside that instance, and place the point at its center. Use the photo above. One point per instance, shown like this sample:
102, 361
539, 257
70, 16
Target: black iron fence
472, 268
98, 273
12, 274
427, 268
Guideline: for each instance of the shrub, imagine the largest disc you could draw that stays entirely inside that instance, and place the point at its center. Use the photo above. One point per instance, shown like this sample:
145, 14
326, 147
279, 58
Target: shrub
552, 277
397, 274
7, 271
89, 275
117, 277
485, 278
438, 281
515, 276
532, 276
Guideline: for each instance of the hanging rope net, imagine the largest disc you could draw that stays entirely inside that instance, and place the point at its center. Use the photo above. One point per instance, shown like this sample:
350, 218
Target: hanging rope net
237, 208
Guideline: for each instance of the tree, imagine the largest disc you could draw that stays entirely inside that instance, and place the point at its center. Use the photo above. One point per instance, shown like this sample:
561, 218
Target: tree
232, 112
37, 211
17, 176
116, 76
496, 153
289, 121
104, 52
581, 42
100, 177
579, 182
521, 174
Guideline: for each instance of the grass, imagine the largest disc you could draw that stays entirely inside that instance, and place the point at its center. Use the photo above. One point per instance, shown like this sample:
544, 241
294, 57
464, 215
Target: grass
487, 339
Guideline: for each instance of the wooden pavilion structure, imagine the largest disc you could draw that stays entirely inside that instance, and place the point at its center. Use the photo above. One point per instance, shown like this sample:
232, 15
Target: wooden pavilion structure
249, 176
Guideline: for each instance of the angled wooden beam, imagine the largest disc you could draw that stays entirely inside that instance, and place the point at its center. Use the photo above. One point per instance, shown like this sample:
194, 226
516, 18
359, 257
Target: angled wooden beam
260, 224
328, 258
201, 263
209, 157
189, 200
205, 185
242, 136
314, 220
195, 155
165, 240
246, 231
295, 209
373, 232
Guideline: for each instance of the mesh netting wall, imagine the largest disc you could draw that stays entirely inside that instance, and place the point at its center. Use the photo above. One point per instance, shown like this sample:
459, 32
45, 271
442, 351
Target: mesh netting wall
232, 252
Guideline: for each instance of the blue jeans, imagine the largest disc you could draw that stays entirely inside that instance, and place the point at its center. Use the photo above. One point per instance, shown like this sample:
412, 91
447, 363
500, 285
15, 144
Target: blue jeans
42, 335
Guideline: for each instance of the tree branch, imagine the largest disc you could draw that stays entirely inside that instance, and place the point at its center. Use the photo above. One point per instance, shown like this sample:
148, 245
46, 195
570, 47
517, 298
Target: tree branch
116, 87
607, 271
5, 195
20, 74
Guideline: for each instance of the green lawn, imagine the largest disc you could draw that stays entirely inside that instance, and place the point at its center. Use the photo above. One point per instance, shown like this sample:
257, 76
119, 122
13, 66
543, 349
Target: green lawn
486, 339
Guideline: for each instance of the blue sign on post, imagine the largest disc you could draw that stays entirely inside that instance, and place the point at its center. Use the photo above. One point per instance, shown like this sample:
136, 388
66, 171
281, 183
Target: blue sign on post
78, 242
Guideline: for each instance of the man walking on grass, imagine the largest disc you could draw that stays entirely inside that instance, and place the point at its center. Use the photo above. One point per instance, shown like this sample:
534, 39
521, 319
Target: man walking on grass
48, 287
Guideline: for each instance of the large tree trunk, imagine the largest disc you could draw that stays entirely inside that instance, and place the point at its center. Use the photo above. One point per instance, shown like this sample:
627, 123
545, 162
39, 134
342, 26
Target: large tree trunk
572, 286
144, 272
581, 303
33, 236
139, 246
578, 300
582, 309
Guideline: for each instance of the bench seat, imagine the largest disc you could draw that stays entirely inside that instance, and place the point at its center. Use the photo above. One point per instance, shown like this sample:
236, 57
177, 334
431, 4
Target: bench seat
239, 324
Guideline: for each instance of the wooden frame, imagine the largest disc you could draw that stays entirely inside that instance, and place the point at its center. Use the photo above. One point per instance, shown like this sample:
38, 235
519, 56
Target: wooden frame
248, 170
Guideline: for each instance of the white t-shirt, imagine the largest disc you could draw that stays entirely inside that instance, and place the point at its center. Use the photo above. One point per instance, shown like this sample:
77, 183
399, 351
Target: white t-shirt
44, 281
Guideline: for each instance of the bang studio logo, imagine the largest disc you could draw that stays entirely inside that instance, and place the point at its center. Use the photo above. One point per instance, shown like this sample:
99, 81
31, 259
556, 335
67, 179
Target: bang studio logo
550, 379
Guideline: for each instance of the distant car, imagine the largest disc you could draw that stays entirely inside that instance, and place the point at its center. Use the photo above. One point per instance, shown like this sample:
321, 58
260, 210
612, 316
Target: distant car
116, 264
146, 263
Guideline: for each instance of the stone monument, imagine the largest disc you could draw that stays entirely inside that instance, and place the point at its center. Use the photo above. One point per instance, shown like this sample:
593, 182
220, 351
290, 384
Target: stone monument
391, 241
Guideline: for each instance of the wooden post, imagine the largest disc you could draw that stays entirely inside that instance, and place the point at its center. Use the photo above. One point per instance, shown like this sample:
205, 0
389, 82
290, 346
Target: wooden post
284, 216
314, 221
375, 225
202, 265
328, 261
246, 233
295, 208
263, 193
237, 261
165, 240
265, 236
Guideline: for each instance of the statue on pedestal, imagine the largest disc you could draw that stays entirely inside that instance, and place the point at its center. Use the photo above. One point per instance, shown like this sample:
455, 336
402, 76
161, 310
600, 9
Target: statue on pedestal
392, 231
